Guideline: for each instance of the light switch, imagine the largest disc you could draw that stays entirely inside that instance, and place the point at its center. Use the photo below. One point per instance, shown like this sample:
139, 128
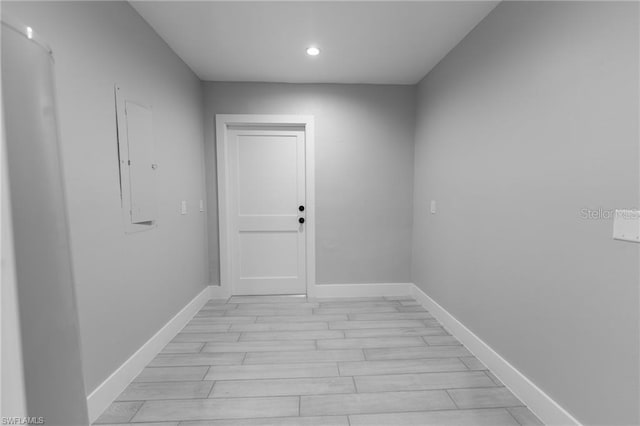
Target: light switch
626, 225
201, 205
183, 207
433, 206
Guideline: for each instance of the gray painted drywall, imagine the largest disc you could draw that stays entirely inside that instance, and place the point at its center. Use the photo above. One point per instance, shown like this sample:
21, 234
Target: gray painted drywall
533, 117
364, 171
128, 286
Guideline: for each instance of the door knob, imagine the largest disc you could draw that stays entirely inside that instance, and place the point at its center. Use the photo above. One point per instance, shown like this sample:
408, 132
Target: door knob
301, 220
301, 208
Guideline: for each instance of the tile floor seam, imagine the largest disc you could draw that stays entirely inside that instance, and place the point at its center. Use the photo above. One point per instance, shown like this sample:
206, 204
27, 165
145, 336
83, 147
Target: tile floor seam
490, 378
514, 417
465, 364
494, 378
213, 385
406, 373
428, 372
445, 409
322, 395
355, 385
180, 422
203, 398
364, 353
439, 410
332, 394
206, 373
452, 400
214, 382
137, 410
414, 411
353, 393
315, 415
283, 378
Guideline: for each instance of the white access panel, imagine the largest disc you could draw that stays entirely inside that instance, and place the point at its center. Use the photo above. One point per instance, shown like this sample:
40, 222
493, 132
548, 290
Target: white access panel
136, 156
140, 162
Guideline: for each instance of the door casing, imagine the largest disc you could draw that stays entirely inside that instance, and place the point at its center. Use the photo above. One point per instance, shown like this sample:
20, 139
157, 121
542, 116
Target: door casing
223, 123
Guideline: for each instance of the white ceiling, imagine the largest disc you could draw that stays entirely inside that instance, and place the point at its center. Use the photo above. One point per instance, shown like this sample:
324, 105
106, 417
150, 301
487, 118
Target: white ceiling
361, 42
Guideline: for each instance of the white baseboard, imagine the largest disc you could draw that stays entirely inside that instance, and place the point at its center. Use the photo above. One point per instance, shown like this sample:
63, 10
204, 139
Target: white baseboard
109, 390
363, 290
541, 404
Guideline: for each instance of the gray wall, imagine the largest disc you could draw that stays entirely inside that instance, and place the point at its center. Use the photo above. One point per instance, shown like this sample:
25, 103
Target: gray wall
364, 171
128, 286
533, 117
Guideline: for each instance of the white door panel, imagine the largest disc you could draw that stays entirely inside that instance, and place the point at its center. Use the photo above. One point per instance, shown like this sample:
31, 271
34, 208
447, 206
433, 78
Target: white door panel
267, 185
255, 264
267, 174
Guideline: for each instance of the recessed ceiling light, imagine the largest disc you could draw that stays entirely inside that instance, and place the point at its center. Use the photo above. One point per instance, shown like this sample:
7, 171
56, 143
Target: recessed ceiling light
313, 51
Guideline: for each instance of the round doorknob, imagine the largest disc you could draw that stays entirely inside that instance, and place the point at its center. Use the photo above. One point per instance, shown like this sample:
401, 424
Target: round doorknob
301, 208
301, 220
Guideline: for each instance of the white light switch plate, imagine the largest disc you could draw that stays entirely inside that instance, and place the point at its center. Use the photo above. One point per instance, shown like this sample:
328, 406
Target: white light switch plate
201, 205
433, 206
183, 207
626, 225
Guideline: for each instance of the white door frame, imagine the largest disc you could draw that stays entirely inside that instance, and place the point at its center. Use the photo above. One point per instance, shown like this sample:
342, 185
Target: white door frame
223, 122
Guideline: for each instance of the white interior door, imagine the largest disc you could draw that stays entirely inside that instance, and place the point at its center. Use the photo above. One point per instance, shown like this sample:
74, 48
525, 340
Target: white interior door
267, 202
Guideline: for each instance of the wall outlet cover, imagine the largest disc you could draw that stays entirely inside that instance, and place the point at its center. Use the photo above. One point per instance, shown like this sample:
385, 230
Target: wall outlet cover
626, 225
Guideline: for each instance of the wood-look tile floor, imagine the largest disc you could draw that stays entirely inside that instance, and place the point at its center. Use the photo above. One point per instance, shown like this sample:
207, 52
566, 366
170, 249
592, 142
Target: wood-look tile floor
293, 361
